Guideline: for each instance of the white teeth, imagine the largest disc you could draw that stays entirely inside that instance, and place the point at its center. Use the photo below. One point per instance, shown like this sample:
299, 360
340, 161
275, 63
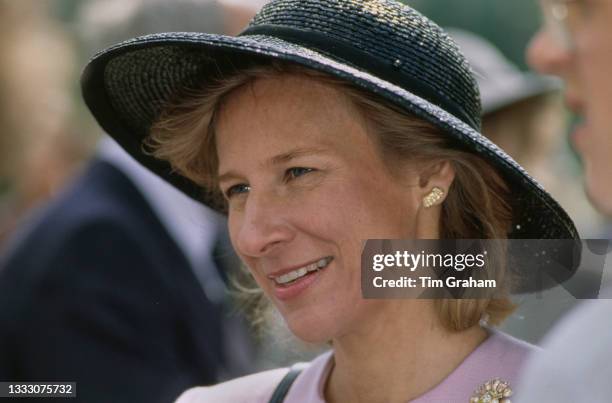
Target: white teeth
302, 271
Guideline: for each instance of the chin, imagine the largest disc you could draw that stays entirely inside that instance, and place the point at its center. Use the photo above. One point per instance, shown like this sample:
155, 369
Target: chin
309, 329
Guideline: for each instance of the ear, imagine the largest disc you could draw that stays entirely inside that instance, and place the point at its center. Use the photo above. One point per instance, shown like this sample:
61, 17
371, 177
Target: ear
437, 175
434, 178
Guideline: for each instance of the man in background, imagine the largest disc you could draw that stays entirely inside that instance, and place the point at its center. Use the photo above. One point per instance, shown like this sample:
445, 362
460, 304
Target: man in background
575, 45
118, 285
522, 112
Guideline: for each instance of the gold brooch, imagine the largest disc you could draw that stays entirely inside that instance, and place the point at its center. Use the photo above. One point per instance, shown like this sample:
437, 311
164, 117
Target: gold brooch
493, 391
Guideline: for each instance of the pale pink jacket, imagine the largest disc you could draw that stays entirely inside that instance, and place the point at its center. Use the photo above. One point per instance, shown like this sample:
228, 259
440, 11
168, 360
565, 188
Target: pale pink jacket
499, 356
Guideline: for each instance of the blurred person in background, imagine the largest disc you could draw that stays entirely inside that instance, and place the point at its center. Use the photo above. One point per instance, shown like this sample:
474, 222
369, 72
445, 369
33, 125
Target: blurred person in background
118, 284
524, 115
574, 44
38, 150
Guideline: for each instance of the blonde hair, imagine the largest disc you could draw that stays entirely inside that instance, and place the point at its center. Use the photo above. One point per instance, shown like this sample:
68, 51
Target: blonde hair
475, 207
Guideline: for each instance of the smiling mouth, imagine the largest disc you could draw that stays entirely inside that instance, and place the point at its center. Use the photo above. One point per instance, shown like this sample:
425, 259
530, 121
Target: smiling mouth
294, 275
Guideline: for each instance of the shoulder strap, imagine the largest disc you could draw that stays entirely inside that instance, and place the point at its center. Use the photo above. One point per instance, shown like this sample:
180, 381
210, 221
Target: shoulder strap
283, 387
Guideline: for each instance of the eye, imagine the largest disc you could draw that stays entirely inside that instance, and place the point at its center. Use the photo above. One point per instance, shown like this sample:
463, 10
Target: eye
293, 173
235, 190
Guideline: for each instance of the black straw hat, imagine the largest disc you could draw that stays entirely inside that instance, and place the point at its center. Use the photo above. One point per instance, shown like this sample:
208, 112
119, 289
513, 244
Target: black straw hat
381, 46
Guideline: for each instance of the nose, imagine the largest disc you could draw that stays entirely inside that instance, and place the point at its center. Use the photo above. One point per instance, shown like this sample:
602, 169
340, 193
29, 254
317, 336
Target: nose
261, 228
546, 55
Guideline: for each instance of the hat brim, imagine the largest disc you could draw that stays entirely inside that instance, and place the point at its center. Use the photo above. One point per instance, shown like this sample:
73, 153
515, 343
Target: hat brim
146, 71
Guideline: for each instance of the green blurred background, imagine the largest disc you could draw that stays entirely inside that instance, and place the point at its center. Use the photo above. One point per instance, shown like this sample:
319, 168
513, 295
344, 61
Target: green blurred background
509, 24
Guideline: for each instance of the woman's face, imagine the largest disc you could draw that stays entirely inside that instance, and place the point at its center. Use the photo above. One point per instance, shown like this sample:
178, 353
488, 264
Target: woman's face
306, 186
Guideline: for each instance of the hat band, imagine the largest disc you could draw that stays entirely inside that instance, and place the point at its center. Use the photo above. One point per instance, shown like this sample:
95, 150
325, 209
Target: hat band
354, 57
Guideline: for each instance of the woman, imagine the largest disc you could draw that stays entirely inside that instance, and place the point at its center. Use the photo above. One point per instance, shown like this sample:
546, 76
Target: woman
323, 124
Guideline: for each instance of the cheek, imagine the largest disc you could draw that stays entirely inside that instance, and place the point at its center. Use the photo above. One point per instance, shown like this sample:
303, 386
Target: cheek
599, 99
355, 210
596, 146
387, 209
594, 57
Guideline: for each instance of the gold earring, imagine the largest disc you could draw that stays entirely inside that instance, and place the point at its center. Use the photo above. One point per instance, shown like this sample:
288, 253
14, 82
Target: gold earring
433, 197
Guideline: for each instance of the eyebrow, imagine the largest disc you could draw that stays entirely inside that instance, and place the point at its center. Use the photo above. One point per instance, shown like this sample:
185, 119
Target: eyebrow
296, 153
278, 159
